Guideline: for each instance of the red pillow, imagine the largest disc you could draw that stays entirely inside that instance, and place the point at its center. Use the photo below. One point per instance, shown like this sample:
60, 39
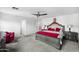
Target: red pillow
57, 29
51, 29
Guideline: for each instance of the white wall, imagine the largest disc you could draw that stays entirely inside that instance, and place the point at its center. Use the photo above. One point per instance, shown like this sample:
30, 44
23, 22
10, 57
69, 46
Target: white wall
72, 19
9, 23
15, 23
10, 26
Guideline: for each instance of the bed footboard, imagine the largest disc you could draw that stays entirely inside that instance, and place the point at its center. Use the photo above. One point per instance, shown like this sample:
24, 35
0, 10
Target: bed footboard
55, 42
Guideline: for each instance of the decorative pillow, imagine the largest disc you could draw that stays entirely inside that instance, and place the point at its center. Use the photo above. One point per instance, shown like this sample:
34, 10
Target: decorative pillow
58, 29
51, 29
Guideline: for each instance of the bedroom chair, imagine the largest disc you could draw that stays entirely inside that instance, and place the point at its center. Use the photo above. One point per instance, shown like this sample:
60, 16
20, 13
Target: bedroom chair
6, 45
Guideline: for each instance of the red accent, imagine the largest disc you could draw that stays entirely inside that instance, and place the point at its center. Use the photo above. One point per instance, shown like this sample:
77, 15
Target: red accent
55, 35
9, 37
51, 29
57, 29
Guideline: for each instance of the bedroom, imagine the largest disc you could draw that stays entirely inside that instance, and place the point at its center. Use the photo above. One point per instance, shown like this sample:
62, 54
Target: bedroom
24, 22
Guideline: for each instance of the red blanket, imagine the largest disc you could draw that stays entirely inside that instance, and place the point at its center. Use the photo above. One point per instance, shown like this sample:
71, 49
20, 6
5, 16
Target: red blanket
55, 35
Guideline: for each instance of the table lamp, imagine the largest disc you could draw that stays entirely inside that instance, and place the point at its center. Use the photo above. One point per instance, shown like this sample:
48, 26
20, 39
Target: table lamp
69, 26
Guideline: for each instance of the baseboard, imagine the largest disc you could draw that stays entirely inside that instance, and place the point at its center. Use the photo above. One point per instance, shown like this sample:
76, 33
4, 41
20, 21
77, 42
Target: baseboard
27, 35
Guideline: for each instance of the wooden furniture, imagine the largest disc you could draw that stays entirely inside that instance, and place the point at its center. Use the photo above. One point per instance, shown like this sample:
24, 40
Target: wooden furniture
73, 36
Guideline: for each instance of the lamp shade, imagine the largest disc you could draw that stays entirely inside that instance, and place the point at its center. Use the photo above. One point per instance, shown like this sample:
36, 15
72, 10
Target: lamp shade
69, 26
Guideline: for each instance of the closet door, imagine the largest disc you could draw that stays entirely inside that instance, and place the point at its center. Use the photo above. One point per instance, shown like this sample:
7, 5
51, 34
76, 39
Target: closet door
23, 27
28, 27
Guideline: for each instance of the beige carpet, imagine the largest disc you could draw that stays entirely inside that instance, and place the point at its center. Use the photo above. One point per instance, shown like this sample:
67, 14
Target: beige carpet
29, 44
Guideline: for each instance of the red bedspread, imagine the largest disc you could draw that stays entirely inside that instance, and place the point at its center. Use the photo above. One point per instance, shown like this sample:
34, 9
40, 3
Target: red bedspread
55, 35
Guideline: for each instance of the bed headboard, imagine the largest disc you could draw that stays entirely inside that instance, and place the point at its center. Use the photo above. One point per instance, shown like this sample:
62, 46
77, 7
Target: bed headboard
55, 24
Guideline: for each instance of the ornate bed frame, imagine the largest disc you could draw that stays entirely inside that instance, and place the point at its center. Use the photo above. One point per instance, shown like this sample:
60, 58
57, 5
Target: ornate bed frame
55, 42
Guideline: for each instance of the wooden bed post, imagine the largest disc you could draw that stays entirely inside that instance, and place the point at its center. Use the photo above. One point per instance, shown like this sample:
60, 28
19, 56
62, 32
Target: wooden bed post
54, 19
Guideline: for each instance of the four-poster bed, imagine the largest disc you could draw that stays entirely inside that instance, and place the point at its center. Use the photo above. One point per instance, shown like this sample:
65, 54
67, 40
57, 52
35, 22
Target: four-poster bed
53, 35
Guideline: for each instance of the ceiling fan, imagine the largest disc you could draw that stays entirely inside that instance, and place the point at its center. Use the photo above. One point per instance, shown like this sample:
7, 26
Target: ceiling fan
39, 14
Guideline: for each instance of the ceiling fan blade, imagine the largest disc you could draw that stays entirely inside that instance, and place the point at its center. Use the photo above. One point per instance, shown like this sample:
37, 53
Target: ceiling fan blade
34, 14
38, 14
42, 14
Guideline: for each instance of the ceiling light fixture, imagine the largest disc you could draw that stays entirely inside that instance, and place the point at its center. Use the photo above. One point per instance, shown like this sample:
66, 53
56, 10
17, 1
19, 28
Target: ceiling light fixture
15, 8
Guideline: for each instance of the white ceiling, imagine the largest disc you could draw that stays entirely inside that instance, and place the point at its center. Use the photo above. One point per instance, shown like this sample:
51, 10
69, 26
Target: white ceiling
51, 11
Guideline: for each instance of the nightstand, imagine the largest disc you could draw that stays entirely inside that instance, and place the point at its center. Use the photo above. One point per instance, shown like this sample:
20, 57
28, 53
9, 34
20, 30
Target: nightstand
73, 36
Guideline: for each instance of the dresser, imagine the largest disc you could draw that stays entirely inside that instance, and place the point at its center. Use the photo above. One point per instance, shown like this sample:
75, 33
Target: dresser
73, 36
